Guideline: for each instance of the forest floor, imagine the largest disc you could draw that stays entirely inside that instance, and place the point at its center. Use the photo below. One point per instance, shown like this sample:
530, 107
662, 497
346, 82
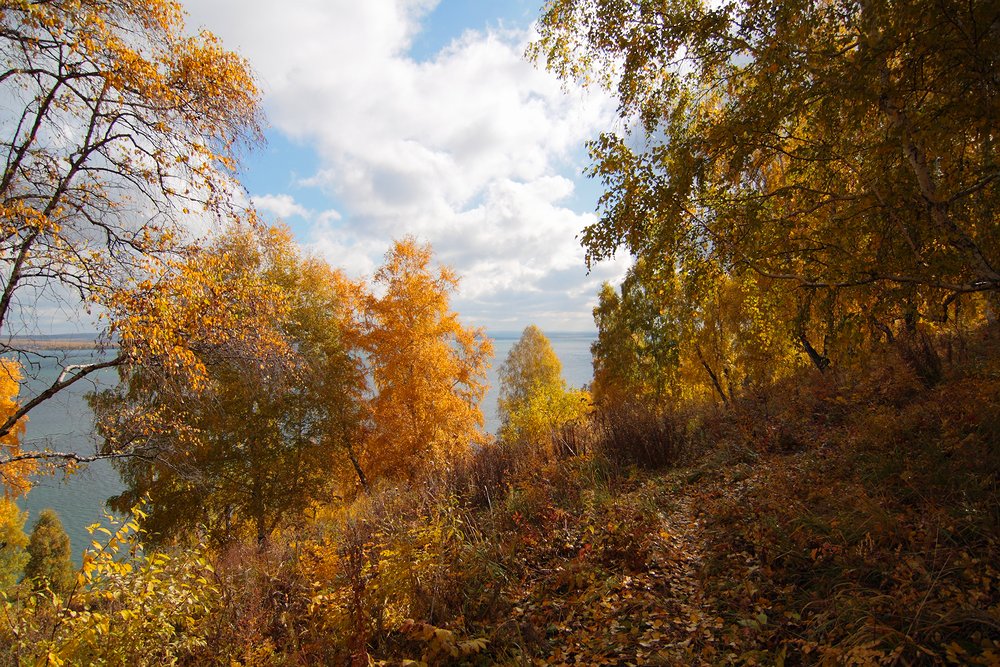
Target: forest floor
622, 609
856, 521
844, 518
754, 563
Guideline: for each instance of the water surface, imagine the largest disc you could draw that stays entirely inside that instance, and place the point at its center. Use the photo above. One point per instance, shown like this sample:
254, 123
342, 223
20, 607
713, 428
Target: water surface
64, 423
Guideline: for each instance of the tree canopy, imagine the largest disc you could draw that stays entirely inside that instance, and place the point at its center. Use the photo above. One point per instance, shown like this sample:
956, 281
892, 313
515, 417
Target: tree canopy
120, 135
49, 564
13, 557
266, 436
530, 362
837, 159
534, 399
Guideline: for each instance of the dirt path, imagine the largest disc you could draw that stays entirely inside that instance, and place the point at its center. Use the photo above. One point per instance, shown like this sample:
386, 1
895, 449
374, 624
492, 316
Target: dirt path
632, 595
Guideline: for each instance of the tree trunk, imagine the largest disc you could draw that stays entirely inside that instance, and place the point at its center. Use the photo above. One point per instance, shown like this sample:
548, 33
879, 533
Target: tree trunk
822, 362
711, 374
357, 468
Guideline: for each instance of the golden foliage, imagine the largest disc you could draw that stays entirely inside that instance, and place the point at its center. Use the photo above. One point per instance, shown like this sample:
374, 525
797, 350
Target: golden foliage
206, 301
129, 606
12, 542
254, 430
426, 369
123, 130
798, 180
441, 646
534, 400
15, 476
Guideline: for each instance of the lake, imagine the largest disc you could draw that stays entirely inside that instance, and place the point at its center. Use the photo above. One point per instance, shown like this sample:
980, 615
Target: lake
65, 423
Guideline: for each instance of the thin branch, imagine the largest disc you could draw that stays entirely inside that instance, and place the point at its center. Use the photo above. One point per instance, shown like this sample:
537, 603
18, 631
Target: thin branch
75, 457
968, 288
974, 188
56, 387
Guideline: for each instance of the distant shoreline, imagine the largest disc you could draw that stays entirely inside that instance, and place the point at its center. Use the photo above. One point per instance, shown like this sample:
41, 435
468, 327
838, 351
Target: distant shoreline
48, 342
68, 342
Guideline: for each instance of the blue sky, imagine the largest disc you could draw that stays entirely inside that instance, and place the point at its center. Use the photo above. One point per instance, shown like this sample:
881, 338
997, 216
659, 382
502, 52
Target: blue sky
389, 118
451, 18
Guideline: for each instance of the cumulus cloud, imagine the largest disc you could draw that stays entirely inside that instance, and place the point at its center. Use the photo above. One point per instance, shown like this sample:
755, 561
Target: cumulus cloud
474, 150
282, 206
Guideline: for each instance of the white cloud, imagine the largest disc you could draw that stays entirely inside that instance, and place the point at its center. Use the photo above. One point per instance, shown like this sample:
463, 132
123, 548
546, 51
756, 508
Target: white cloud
282, 206
328, 216
475, 150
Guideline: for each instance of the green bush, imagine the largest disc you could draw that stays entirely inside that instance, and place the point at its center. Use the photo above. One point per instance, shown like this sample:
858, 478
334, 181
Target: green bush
49, 564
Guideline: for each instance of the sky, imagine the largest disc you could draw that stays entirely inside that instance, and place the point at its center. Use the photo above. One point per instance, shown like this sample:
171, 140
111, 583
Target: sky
388, 118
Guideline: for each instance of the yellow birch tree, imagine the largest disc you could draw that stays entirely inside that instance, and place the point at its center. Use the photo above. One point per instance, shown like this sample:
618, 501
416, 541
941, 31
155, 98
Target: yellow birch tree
836, 157
426, 370
534, 399
120, 131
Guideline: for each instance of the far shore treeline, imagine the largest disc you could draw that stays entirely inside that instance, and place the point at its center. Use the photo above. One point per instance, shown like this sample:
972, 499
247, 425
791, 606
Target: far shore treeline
61, 342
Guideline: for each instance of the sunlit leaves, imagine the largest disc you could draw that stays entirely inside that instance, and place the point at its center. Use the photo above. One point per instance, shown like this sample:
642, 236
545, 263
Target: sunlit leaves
14, 476
12, 542
426, 370
534, 400
639, 327
531, 362
840, 152
255, 429
128, 606
210, 300
440, 645
122, 131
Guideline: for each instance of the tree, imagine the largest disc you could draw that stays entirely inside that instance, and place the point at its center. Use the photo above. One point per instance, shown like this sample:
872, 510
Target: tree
841, 154
12, 542
119, 132
531, 362
426, 370
636, 353
267, 436
49, 563
661, 338
534, 399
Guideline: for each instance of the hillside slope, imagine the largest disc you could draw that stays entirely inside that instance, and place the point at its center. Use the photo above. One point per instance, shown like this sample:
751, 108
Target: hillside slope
837, 520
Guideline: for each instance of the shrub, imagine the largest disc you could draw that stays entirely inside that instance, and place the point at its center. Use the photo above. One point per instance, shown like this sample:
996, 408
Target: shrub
49, 564
639, 434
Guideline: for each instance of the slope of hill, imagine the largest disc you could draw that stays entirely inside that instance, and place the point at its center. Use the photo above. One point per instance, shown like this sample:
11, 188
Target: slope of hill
842, 519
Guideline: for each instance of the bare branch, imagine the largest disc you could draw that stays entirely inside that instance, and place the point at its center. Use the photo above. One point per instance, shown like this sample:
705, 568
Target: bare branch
53, 389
